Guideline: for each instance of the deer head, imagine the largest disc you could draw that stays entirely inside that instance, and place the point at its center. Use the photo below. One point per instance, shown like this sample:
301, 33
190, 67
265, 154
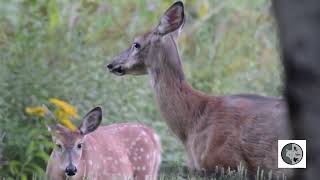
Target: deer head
148, 50
69, 144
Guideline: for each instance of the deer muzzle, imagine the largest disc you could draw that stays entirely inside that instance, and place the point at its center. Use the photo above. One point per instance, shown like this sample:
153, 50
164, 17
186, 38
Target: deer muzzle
71, 170
116, 69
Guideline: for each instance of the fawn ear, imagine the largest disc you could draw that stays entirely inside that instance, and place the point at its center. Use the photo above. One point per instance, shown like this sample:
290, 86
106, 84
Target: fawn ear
172, 20
91, 121
50, 119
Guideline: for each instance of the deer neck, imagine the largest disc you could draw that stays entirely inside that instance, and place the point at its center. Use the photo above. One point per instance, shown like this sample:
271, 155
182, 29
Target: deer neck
179, 104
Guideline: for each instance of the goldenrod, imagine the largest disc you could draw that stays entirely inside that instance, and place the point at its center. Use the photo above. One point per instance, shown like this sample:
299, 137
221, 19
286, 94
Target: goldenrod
67, 123
66, 107
63, 112
37, 110
203, 9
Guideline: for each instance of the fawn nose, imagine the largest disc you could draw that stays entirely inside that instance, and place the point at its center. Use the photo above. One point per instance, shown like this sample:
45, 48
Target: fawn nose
110, 66
71, 170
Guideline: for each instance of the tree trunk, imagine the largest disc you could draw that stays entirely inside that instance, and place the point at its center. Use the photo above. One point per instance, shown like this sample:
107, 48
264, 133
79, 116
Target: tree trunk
299, 30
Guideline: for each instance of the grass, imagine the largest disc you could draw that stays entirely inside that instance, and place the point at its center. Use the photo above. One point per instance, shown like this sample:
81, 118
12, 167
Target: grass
177, 172
59, 49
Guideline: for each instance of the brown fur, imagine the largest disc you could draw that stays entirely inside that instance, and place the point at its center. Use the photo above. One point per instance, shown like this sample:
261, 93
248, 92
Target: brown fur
219, 130
118, 151
215, 130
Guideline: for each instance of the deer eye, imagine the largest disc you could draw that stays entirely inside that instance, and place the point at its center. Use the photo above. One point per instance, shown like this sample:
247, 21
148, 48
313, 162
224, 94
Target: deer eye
79, 146
59, 147
136, 45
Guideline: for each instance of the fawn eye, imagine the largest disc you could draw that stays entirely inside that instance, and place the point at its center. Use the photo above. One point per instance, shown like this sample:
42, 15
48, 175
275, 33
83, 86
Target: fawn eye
79, 146
136, 45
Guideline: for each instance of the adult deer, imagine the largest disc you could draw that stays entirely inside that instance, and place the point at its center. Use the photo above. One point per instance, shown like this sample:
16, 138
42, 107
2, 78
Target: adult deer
118, 151
215, 130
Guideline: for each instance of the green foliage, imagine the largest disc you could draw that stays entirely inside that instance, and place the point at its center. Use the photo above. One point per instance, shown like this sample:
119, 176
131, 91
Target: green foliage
59, 49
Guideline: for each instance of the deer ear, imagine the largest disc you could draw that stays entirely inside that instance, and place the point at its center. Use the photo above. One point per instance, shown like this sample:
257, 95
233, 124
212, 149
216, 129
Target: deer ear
172, 19
50, 119
91, 121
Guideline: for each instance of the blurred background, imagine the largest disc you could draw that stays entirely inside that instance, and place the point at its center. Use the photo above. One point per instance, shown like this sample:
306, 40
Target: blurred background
59, 49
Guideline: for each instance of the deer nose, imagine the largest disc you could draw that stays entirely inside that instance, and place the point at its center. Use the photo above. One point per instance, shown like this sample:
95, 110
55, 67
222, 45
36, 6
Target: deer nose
110, 66
71, 170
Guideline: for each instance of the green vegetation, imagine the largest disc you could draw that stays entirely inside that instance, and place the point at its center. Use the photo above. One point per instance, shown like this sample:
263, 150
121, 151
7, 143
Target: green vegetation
59, 49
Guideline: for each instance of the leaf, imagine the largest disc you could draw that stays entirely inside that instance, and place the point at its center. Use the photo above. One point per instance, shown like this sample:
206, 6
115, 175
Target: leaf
47, 144
37, 169
30, 148
14, 167
24, 177
53, 15
42, 155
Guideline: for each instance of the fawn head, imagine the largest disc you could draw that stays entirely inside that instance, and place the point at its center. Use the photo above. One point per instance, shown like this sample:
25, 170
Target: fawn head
69, 144
146, 49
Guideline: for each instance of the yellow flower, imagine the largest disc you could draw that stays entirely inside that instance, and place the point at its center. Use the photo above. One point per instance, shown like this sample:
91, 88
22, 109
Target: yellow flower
38, 110
62, 113
67, 123
203, 9
66, 107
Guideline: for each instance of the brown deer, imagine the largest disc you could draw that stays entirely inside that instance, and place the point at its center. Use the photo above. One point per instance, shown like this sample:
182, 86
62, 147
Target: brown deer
215, 130
118, 151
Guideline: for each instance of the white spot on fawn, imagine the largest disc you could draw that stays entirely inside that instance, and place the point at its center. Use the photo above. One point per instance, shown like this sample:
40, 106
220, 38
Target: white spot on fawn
133, 143
123, 159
